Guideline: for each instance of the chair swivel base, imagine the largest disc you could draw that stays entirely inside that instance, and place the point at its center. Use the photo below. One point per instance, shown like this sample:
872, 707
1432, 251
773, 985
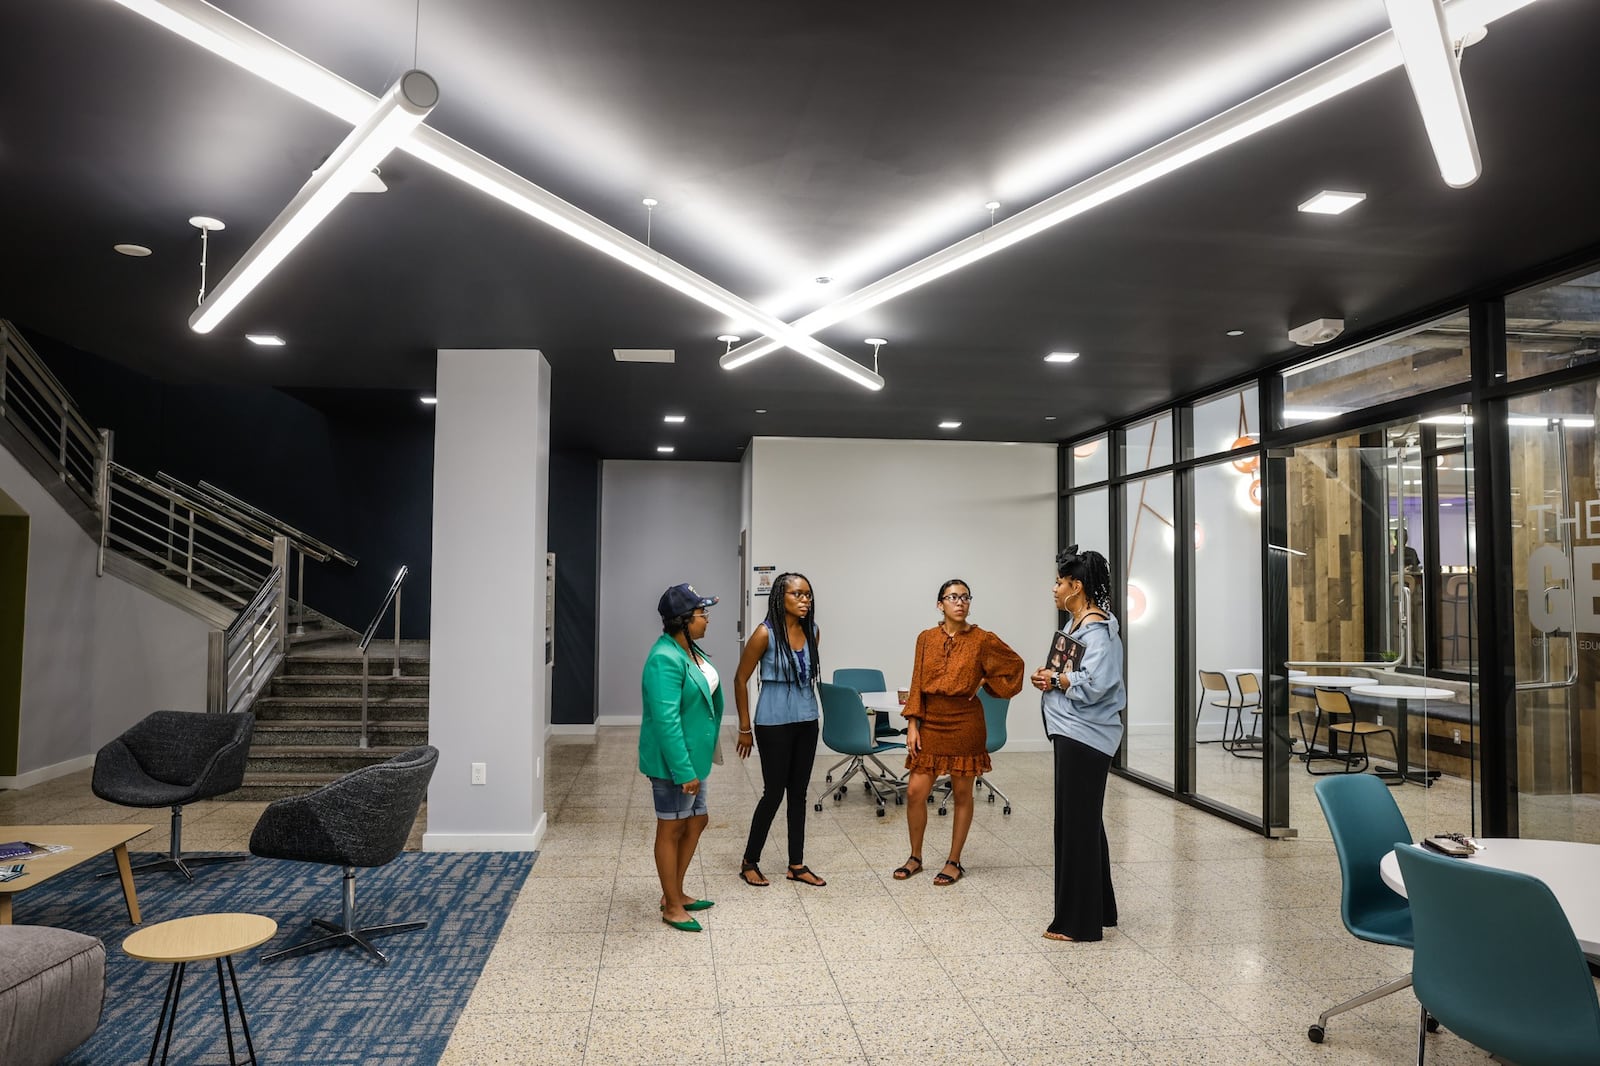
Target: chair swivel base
339, 936
180, 863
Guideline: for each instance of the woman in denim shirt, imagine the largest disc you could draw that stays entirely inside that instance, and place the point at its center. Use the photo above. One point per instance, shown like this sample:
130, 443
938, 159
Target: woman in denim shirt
1083, 719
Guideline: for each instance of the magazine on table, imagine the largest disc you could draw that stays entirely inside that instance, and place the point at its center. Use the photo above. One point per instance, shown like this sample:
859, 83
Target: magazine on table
25, 849
10, 872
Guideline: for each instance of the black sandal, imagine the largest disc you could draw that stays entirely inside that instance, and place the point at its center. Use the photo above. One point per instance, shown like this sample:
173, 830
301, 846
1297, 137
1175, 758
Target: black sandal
901, 873
944, 880
799, 873
749, 868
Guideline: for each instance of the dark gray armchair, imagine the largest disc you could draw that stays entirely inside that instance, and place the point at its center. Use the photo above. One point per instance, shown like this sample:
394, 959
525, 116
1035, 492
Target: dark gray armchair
172, 758
362, 819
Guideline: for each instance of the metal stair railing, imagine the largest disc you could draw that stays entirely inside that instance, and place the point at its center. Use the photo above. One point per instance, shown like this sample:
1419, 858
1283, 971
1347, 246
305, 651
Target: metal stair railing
393, 596
38, 409
182, 538
244, 657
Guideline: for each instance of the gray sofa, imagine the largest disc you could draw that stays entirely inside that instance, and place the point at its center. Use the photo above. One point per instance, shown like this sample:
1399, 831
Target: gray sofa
52, 986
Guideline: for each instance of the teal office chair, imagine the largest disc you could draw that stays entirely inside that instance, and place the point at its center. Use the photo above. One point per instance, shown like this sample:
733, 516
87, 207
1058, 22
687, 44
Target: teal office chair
1366, 824
868, 681
1496, 962
994, 721
847, 729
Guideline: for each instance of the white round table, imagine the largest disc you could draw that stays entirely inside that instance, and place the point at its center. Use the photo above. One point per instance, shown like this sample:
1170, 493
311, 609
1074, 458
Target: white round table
1403, 695
1571, 870
1330, 681
888, 702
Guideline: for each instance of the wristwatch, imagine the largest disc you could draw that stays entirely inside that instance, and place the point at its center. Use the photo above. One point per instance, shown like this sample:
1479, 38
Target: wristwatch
1055, 682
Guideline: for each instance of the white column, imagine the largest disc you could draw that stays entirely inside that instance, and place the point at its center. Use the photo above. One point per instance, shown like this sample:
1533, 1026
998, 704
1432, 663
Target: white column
486, 695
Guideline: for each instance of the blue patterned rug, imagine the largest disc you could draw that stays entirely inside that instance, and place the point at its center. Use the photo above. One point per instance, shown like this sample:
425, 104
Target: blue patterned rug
332, 1007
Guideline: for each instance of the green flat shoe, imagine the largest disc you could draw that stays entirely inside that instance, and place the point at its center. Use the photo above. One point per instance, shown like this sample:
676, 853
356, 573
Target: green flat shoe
690, 926
699, 905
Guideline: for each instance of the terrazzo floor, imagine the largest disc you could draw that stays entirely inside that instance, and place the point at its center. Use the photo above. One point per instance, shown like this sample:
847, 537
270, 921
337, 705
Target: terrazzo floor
1229, 945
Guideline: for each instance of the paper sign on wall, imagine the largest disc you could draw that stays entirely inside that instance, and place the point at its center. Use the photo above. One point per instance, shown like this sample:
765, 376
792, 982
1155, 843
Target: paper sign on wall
761, 579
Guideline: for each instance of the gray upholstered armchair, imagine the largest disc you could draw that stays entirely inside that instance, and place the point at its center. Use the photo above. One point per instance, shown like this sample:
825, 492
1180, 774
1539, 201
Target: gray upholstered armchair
362, 819
172, 758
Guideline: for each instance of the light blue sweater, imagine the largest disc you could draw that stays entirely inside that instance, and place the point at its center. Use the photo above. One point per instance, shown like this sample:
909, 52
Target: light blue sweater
1090, 710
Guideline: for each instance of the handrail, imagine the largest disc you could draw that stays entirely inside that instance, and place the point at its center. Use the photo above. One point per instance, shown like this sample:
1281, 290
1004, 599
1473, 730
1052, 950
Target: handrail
244, 656
39, 410
393, 596
190, 504
318, 549
261, 529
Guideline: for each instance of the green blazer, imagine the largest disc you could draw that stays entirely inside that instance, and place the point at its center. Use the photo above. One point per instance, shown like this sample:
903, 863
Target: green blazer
681, 715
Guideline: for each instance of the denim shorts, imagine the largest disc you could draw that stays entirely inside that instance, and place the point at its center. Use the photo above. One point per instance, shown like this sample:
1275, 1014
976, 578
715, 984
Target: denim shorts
672, 802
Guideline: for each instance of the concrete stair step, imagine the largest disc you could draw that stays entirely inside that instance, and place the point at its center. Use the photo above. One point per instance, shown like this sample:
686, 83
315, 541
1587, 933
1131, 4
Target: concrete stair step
278, 785
339, 708
314, 759
399, 734
345, 685
350, 666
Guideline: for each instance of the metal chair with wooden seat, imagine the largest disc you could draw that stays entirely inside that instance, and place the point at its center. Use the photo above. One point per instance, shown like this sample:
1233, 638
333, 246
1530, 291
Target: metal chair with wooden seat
1335, 703
1213, 681
1244, 745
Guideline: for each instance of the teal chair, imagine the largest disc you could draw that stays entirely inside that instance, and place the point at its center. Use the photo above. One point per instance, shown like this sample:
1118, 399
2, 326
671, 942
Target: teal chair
1497, 963
847, 729
869, 681
994, 721
1366, 825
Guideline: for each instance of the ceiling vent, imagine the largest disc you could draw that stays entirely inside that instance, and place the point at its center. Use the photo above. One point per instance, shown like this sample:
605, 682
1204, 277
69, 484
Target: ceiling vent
644, 355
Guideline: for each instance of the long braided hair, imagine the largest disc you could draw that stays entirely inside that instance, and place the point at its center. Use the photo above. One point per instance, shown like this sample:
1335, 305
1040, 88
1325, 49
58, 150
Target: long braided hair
1091, 568
778, 624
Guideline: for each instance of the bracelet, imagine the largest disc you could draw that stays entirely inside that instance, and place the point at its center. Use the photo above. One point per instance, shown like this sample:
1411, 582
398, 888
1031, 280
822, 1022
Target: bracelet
744, 731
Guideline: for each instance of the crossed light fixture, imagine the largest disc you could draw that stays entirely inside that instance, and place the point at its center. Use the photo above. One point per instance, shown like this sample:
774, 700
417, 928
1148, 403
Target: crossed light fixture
243, 45
1434, 70
408, 102
1321, 83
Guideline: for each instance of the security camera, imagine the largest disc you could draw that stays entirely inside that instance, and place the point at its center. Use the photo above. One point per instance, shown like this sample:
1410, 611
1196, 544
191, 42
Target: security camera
1317, 331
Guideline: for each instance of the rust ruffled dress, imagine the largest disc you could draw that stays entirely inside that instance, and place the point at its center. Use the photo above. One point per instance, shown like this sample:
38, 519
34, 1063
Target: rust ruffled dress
944, 697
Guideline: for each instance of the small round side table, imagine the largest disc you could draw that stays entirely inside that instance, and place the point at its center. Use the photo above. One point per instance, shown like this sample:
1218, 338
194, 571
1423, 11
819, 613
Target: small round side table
196, 939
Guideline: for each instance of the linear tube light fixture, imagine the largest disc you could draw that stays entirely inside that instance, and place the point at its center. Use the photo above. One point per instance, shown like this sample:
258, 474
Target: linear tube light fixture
1435, 74
1300, 93
246, 47
408, 101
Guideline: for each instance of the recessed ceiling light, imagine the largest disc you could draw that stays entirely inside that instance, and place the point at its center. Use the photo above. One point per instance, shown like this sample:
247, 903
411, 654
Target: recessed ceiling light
137, 251
1330, 202
761, 410
265, 340
1061, 357
644, 355
949, 424
674, 419
650, 201
823, 279
430, 401
665, 449
1236, 333
1049, 418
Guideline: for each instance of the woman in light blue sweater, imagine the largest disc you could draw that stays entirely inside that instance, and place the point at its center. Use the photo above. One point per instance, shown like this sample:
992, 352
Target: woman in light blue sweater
1083, 719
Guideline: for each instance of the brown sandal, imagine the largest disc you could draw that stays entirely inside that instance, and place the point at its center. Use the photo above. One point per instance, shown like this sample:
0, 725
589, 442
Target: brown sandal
748, 868
901, 873
944, 880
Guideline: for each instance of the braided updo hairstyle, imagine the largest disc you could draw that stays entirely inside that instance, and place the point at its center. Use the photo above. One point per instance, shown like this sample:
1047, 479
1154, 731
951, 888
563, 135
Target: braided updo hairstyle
1091, 568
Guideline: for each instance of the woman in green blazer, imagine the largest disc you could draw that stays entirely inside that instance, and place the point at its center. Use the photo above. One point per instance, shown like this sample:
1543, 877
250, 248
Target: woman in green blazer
682, 697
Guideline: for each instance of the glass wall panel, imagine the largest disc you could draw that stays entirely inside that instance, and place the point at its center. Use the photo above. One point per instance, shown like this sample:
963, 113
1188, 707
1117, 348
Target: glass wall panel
1555, 531
1091, 522
1553, 327
1430, 357
1091, 461
1150, 629
1227, 599
1226, 422
1147, 445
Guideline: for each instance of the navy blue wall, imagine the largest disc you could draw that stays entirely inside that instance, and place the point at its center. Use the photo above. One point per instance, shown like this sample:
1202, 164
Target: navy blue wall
575, 539
353, 467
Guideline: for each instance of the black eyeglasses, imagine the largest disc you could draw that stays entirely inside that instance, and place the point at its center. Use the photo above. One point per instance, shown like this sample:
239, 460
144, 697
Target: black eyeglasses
799, 595
957, 597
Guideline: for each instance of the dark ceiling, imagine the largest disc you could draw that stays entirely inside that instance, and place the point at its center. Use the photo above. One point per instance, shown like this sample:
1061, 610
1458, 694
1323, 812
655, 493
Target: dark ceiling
783, 143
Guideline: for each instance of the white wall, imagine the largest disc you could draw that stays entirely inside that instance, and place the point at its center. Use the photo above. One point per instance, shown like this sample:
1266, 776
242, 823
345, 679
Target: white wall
878, 525
97, 654
662, 523
487, 701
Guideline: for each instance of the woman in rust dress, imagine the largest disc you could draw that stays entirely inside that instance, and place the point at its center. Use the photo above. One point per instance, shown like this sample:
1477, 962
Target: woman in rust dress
945, 732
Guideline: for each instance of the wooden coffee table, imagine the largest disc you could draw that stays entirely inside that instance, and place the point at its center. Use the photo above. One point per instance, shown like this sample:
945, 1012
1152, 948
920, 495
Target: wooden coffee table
85, 842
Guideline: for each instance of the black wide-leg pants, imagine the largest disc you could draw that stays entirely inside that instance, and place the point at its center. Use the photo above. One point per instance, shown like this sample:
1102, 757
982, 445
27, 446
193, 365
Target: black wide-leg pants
786, 752
1085, 901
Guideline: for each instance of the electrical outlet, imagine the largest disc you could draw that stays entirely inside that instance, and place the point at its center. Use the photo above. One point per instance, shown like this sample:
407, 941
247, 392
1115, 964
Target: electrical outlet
1455, 735
538, 766
480, 773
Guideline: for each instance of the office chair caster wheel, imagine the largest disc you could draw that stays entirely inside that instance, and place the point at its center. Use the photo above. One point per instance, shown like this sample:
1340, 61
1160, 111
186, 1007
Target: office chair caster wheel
818, 807
1316, 1033
899, 801
1433, 1024
839, 795
991, 797
880, 812
1007, 809
943, 811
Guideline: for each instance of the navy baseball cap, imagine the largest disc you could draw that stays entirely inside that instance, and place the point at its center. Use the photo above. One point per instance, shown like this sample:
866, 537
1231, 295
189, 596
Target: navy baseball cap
680, 600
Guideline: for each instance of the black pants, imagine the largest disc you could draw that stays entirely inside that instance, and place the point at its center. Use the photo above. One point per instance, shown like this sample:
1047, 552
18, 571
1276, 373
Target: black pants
1085, 901
787, 752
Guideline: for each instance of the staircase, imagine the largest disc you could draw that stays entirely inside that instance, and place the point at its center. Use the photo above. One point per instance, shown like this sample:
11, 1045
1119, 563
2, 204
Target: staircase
308, 724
